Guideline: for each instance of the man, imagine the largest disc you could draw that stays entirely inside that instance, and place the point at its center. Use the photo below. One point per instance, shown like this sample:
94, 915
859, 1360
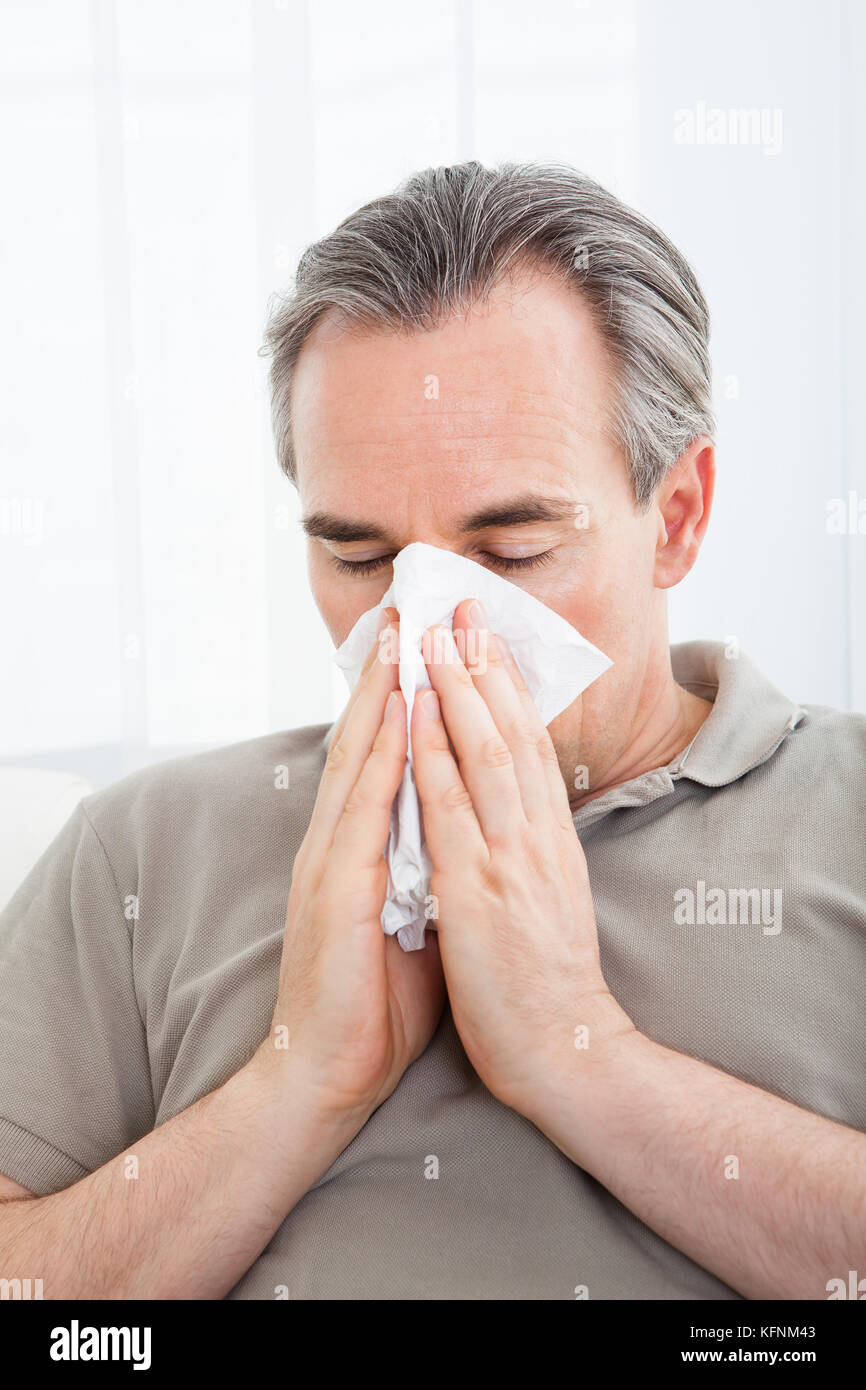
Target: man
629, 1064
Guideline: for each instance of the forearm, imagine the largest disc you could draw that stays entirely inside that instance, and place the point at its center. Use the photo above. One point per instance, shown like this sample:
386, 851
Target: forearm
768, 1197
212, 1186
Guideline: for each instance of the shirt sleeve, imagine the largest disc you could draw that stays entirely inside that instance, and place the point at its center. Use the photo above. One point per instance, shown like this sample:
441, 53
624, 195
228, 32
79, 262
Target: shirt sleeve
75, 1084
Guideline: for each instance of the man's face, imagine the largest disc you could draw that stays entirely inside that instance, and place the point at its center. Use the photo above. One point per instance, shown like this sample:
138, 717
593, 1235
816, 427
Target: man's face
487, 437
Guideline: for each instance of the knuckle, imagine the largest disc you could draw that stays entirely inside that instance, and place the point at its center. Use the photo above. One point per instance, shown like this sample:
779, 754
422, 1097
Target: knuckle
355, 805
493, 878
546, 751
382, 763
491, 652
429, 737
336, 757
539, 855
459, 673
522, 735
496, 753
455, 797
502, 847
483, 653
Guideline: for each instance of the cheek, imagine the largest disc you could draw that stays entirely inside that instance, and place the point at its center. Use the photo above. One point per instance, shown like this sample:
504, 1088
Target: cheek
593, 600
607, 593
330, 596
340, 599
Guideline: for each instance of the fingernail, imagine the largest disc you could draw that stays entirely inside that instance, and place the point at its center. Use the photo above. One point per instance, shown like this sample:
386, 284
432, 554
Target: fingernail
430, 704
392, 705
477, 616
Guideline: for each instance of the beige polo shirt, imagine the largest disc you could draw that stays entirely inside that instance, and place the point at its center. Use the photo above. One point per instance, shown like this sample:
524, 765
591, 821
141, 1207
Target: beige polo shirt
139, 964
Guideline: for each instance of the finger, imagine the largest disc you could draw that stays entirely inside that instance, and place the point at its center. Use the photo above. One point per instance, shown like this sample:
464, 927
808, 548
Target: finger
362, 830
556, 787
350, 750
484, 758
389, 616
519, 724
451, 826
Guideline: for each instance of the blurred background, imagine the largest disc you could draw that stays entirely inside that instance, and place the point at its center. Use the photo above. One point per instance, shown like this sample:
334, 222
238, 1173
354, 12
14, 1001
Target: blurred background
163, 166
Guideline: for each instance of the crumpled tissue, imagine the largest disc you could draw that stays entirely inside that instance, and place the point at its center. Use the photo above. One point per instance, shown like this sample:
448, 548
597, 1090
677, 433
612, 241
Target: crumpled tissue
556, 662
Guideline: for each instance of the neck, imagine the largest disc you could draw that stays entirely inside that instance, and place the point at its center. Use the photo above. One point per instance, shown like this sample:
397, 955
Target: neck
666, 721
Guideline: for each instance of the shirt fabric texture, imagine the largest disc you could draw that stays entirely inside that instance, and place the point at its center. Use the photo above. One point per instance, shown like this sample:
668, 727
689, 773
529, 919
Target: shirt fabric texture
139, 964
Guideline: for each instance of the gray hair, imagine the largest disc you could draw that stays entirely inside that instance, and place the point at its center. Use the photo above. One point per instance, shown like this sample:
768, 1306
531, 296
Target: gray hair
447, 235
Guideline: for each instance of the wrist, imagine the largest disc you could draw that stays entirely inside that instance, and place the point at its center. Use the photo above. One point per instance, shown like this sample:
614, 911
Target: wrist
283, 1085
585, 1057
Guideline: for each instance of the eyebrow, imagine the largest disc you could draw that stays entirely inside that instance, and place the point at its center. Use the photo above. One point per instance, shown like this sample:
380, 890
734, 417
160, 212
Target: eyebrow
519, 511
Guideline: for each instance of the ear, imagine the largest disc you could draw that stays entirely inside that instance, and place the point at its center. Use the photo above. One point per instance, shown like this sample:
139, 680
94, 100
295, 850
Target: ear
682, 504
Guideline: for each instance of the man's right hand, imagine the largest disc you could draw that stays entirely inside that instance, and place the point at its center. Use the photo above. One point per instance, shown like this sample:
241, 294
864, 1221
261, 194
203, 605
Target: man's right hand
358, 1008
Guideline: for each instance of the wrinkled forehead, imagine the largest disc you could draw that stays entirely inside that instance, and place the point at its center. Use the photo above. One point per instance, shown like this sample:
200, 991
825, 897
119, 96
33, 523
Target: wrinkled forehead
521, 382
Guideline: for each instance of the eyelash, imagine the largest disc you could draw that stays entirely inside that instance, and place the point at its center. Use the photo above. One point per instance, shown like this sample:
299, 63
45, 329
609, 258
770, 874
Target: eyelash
503, 562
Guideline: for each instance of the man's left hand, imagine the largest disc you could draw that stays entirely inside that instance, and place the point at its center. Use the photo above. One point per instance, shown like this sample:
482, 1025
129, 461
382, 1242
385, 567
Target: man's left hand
517, 931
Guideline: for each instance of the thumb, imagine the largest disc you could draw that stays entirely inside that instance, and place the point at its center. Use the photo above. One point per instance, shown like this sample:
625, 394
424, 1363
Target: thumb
417, 986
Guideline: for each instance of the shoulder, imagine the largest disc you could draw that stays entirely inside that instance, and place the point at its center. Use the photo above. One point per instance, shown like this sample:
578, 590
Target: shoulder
833, 738
820, 768
240, 786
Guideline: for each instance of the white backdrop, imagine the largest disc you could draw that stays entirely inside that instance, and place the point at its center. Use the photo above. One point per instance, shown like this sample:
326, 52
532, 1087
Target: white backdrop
165, 163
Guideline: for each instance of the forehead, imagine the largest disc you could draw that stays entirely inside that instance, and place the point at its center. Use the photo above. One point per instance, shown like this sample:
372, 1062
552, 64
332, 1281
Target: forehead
517, 387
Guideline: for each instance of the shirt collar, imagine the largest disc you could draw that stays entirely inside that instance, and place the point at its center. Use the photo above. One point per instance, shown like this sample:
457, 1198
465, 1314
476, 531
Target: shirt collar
748, 721
749, 718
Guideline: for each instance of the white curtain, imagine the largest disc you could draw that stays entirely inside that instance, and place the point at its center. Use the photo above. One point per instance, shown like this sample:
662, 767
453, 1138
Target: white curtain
164, 164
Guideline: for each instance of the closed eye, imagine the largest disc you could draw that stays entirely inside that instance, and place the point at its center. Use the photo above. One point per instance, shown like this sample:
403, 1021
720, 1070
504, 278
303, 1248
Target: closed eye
504, 563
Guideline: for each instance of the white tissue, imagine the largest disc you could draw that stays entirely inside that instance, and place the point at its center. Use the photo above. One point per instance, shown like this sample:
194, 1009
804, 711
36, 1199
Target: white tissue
555, 661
